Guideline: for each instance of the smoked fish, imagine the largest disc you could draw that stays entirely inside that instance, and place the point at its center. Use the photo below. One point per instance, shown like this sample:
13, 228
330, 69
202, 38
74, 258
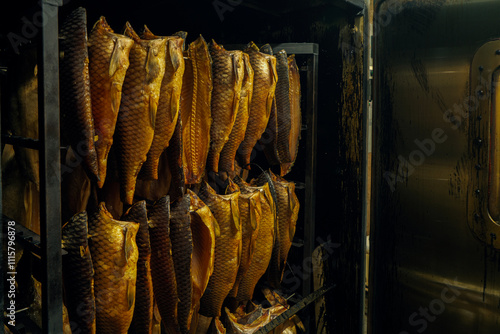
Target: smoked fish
182, 252
162, 264
228, 153
22, 87
295, 118
114, 257
283, 106
76, 107
227, 76
264, 86
250, 217
175, 164
264, 244
168, 104
287, 205
205, 230
75, 186
227, 248
78, 274
142, 321
195, 109
109, 61
137, 114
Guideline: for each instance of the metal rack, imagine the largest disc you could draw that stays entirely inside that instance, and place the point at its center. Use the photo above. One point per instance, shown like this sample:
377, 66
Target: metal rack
50, 190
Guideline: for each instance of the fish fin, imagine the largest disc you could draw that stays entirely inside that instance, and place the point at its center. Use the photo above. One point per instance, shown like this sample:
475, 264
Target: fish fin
114, 62
147, 34
130, 294
174, 56
235, 212
128, 243
152, 64
252, 213
174, 107
116, 94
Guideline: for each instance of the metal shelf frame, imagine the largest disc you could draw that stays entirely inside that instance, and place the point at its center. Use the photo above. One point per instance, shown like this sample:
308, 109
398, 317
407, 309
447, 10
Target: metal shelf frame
50, 172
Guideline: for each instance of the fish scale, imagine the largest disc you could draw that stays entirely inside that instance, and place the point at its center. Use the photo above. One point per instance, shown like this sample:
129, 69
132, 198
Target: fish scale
108, 56
264, 86
283, 107
228, 153
143, 310
76, 109
162, 265
168, 103
78, 274
137, 115
114, 257
227, 68
227, 249
182, 251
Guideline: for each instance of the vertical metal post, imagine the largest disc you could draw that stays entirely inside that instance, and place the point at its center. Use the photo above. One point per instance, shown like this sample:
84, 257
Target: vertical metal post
50, 196
2, 263
310, 191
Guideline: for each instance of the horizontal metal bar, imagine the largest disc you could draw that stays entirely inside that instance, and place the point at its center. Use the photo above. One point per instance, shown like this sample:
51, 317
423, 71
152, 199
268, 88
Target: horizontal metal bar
21, 141
290, 48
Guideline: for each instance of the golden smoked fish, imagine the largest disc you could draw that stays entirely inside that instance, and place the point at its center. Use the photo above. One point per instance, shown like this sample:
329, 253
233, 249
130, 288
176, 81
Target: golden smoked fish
283, 114
182, 252
195, 110
142, 321
109, 61
227, 248
168, 104
162, 264
295, 116
264, 85
114, 256
287, 207
228, 153
76, 108
250, 217
137, 115
227, 75
264, 244
78, 274
204, 229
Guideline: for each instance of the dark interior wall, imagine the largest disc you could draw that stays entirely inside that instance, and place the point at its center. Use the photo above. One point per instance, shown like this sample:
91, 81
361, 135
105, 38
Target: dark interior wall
338, 206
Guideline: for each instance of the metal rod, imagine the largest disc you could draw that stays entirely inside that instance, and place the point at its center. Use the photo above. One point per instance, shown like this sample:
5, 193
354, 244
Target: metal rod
2, 263
310, 191
50, 196
21, 141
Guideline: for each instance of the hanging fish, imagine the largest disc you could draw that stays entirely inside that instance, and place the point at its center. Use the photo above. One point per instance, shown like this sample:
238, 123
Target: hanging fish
195, 110
142, 321
264, 86
77, 123
78, 274
114, 257
227, 74
168, 104
137, 115
109, 61
228, 153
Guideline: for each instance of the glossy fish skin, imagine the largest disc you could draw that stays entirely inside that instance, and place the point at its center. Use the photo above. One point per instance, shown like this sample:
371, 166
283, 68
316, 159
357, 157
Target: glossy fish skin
296, 116
250, 216
204, 229
228, 153
264, 244
162, 264
114, 256
283, 106
227, 249
22, 86
136, 118
264, 86
109, 61
76, 108
142, 320
182, 251
168, 104
78, 274
227, 69
195, 109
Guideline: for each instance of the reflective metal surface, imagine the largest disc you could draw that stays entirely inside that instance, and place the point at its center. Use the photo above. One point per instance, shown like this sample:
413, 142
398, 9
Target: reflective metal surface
435, 267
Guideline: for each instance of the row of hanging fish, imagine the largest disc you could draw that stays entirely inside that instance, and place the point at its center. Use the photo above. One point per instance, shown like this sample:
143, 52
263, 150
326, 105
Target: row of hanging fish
188, 259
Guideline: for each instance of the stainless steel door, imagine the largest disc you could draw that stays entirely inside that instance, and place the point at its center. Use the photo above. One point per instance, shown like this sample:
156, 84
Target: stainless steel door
435, 264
